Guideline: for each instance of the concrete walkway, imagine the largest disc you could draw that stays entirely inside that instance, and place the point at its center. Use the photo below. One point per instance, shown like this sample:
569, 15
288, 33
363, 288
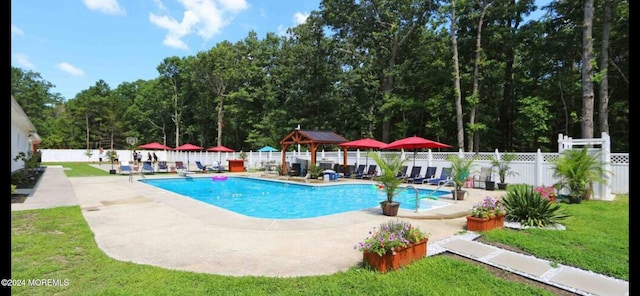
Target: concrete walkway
136, 222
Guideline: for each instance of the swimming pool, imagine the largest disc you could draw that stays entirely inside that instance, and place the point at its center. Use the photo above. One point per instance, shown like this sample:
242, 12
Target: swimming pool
280, 200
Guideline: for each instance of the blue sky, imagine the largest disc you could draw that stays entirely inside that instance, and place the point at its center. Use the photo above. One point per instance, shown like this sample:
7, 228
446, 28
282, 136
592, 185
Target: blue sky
75, 43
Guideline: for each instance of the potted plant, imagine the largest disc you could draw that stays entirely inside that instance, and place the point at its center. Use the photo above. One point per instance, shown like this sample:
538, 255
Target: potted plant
486, 215
315, 171
461, 168
392, 245
390, 164
112, 155
503, 167
577, 170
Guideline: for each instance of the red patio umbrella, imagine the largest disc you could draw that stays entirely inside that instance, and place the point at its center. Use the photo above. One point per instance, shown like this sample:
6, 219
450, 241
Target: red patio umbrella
154, 146
414, 143
188, 147
366, 143
220, 149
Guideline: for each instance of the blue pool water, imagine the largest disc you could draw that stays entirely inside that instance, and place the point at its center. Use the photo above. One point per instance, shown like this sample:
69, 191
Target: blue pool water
278, 200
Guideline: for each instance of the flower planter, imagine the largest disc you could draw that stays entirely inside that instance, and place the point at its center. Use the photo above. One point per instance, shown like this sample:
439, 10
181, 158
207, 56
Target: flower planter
484, 224
401, 257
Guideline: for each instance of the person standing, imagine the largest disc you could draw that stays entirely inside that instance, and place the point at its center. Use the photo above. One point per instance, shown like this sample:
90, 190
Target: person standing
149, 158
100, 155
139, 158
135, 157
155, 158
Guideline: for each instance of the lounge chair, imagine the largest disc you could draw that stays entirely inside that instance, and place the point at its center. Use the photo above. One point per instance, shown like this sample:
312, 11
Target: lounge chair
162, 166
359, 171
371, 172
125, 168
218, 167
203, 168
402, 174
415, 173
296, 169
180, 165
147, 167
429, 174
445, 175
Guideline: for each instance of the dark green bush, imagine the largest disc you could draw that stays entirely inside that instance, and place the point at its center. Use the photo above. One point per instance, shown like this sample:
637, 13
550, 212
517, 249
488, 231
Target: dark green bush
525, 205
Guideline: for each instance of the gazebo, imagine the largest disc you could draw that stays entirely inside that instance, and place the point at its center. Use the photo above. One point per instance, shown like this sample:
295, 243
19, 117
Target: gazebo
313, 139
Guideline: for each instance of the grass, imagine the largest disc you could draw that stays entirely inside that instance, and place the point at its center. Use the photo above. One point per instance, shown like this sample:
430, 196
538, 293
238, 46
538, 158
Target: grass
58, 244
596, 239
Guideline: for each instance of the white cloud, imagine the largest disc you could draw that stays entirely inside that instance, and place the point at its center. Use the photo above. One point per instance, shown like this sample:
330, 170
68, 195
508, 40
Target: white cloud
66, 67
105, 6
300, 18
15, 31
282, 30
204, 17
23, 61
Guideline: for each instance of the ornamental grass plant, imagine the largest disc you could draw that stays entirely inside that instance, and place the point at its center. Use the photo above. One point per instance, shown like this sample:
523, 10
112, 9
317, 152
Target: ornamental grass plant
525, 205
391, 236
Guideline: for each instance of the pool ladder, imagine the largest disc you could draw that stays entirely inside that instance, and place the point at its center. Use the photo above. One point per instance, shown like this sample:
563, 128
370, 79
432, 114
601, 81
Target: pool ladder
417, 199
443, 183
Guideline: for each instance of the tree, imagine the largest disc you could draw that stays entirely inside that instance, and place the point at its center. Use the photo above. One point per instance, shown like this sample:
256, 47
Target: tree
475, 94
603, 109
456, 77
380, 30
587, 71
172, 76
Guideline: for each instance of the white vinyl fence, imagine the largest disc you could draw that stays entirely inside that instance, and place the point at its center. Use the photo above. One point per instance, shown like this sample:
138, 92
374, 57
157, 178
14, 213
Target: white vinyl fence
531, 168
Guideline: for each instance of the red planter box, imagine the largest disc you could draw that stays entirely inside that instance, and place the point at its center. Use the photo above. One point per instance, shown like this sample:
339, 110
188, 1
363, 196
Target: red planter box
484, 224
402, 257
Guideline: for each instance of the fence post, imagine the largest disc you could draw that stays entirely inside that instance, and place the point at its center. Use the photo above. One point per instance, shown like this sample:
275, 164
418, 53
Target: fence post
538, 180
605, 188
429, 158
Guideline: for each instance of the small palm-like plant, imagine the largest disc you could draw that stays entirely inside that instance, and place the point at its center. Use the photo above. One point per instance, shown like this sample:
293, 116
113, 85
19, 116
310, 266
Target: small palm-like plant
461, 168
503, 166
315, 171
390, 164
577, 169
525, 205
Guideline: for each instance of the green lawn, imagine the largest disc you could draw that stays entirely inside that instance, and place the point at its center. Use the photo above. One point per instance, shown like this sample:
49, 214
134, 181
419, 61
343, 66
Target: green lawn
58, 244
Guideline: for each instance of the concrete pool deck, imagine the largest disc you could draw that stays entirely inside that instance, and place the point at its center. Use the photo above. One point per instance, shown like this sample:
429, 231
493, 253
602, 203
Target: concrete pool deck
140, 223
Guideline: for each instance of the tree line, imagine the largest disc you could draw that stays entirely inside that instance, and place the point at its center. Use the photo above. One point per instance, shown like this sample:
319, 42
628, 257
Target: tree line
475, 74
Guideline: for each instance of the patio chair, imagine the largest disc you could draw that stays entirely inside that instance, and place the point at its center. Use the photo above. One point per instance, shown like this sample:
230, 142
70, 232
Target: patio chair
162, 166
180, 165
415, 173
429, 174
203, 168
296, 169
480, 179
125, 168
358, 171
218, 167
147, 168
371, 172
445, 175
402, 174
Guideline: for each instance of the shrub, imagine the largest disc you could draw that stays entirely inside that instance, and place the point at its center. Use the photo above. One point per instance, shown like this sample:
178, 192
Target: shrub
525, 205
